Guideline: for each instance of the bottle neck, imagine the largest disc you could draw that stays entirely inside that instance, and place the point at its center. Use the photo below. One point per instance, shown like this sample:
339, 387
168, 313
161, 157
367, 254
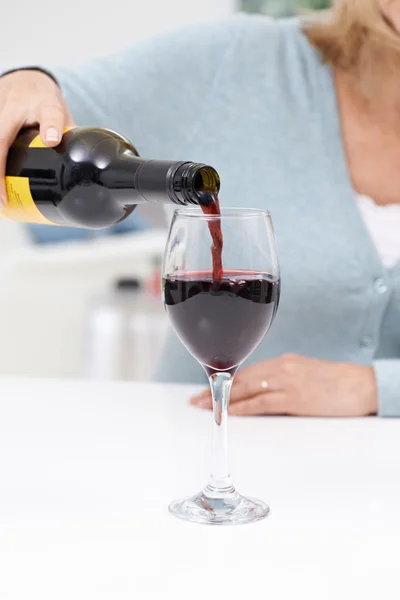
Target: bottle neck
136, 181
179, 183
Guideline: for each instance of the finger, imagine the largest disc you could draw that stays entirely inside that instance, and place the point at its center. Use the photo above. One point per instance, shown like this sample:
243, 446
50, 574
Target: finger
263, 404
8, 133
52, 121
264, 381
251, 383
246, 384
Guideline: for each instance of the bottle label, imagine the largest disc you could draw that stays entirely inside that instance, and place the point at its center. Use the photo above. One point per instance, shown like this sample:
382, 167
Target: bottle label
21, 206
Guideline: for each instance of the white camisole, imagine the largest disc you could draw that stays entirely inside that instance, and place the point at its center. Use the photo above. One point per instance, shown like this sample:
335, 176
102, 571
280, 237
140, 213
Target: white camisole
383, 223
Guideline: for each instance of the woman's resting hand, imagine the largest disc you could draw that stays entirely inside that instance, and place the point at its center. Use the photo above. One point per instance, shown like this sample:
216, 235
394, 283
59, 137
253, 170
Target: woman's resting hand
29, 98
295, 385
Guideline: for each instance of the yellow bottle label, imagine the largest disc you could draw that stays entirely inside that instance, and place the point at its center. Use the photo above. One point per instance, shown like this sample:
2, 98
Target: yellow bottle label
21, 206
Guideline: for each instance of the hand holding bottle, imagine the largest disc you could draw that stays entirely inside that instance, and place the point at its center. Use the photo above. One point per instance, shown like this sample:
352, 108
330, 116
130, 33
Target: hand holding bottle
29, 97
94, 178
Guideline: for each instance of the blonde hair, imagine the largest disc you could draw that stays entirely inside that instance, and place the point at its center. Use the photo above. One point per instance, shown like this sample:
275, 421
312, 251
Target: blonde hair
355, 36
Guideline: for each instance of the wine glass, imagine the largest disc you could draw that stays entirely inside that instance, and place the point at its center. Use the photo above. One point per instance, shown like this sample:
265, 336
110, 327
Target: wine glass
221, 322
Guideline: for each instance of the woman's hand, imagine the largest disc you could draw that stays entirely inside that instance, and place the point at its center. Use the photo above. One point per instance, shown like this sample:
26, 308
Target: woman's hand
29, 98
295, 385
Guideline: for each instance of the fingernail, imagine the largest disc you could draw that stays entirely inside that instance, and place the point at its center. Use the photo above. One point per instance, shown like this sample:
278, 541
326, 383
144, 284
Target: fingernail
52, 135
3, 202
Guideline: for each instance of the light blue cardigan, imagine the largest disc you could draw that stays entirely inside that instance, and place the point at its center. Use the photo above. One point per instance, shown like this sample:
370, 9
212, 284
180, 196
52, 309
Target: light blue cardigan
251, 97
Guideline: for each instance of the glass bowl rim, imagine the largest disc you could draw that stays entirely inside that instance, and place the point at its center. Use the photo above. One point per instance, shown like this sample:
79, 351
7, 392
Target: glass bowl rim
226, 213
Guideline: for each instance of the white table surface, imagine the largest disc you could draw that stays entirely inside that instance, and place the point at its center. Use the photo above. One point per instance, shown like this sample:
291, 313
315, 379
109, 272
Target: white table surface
87, 471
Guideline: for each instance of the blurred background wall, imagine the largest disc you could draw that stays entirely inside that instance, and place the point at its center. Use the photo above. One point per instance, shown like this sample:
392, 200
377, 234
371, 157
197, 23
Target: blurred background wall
59, 312
53, 32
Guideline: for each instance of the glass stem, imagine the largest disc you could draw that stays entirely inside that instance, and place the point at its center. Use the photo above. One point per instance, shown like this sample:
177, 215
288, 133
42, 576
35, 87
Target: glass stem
220, 482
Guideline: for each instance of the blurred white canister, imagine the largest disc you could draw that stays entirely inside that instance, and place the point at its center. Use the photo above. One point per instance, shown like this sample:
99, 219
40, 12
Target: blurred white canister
125, 333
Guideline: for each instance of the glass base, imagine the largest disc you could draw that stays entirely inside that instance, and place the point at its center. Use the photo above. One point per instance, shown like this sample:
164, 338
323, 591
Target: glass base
224, 508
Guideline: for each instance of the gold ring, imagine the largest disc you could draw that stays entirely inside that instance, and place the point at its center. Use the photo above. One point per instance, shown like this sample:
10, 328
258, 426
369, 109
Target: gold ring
264, 384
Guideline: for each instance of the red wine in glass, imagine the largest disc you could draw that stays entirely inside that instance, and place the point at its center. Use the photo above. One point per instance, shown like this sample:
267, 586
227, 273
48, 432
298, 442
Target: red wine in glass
221, 321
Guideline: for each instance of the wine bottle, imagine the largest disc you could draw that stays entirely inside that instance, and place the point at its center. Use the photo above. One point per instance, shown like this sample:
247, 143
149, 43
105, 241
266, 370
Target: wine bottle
94, 179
